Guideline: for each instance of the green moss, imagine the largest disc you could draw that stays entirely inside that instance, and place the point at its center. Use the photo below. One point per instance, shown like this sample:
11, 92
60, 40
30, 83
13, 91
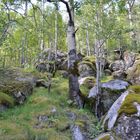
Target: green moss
91, 65
106, 78
135, 88
6, 99
89, 58
127, 106
106, 137
87, 85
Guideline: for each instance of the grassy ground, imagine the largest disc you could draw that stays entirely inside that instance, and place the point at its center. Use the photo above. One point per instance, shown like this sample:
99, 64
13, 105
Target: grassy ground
23, 122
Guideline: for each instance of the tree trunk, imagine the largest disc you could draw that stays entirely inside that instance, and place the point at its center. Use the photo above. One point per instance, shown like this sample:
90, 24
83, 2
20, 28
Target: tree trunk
131, 24
87, 41
72, 66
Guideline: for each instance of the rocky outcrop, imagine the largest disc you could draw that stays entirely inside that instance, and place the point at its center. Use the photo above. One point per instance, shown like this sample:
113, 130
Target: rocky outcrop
86, 84
16, 85
87, 67
133, 73
123, 118
47, 61
117, 65
110, 91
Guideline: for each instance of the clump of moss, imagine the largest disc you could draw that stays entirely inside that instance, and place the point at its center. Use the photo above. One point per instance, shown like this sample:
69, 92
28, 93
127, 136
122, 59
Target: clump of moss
106, 137
87, 85
6, 99
135, 88
127, 106
90, 59
106, 78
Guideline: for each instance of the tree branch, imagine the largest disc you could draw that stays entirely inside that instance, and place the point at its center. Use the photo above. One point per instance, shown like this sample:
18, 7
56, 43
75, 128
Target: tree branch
67, 7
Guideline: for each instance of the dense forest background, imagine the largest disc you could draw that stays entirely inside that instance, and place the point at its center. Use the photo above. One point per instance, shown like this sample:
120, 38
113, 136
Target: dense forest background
29, 27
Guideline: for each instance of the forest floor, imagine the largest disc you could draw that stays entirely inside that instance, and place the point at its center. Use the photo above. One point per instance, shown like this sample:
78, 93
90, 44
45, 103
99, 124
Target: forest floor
46, 116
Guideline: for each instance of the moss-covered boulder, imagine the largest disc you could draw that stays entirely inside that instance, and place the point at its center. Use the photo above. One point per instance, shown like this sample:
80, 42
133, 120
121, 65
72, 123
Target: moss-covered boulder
133, 73
117, 65
123, 118
87, 67
86, 84
110, 92
15, 86
48, 62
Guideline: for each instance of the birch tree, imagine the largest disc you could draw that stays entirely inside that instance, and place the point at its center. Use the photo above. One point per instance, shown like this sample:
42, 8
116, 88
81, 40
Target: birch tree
74, 92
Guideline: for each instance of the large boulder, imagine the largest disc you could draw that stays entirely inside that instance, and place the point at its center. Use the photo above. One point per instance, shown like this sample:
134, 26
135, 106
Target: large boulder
133, 73
110, 92
123, 118
47, 62
15, 86
86, 84
129, 59
87, 67
117, 65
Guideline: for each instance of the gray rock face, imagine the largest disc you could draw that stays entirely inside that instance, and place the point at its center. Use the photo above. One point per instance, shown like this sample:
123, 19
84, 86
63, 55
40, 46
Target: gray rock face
117, 65
112, 114
128, 128
46, 61
77, 133
120, 74
85, 70
124, 125
115, 85
133, 73
129, 59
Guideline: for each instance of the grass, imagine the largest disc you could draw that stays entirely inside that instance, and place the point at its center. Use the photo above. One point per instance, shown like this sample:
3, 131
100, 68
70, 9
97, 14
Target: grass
21, 122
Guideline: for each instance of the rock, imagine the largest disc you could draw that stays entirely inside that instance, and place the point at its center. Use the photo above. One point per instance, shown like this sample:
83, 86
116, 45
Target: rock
86, 84
120, 74
129, 59
123, 118
112, 114
77, 133
47, 62
15, 86
127, 128
43, 118
115, 85
87, 67
41, 67
133, 73
105, 136
117, 65
107, 72
110, 91
43, 83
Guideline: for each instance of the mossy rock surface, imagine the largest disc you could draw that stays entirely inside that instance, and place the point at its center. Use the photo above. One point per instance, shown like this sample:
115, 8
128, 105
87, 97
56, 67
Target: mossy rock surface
6, 100
133, 73
87, 84
128, 106
106, 136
